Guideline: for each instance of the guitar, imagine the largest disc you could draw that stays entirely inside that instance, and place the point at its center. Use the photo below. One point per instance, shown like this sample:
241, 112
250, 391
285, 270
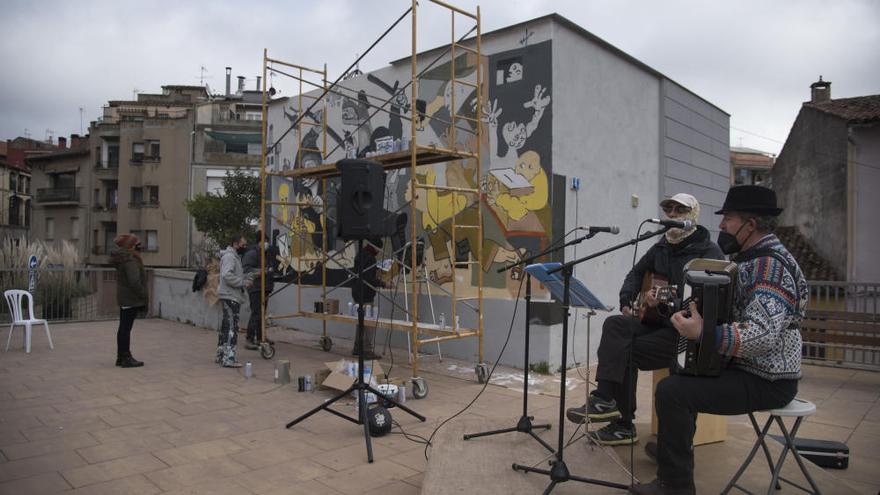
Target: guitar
664, 295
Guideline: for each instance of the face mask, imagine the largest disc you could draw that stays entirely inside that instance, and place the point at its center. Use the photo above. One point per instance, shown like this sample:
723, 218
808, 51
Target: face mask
728, 243
240, 250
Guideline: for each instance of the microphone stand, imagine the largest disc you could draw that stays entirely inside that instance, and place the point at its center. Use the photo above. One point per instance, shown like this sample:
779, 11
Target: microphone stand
558, 471
524, 425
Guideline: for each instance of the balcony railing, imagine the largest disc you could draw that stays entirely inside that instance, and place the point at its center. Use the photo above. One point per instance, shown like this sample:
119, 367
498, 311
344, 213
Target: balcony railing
58, 195
143, 204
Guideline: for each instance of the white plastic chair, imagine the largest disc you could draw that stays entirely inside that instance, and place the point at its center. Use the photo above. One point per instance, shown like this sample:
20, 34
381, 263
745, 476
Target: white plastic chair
13, 299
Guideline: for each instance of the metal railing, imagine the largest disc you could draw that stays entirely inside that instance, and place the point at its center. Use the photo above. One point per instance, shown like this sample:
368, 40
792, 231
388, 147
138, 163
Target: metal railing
67, 294
57, 194
852, 297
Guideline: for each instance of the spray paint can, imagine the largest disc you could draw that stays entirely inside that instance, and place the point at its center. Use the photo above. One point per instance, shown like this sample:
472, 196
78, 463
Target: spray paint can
248, 369
308, 387
401, 394
300, 384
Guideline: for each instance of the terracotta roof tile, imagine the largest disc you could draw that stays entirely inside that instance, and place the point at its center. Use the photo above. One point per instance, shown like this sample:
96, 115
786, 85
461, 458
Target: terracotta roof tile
814, 266
860, 109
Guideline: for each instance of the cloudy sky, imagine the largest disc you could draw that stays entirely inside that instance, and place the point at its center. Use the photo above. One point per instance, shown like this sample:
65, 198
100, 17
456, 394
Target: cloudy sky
755, 59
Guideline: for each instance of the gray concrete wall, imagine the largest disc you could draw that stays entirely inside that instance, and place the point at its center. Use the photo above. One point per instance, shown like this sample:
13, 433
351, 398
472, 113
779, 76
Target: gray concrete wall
864, 157
173, 299
606, 132
810, 178
695, 147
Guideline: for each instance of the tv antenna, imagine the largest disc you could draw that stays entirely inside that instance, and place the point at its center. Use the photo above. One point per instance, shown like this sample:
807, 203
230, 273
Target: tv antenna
80, 121
202, 71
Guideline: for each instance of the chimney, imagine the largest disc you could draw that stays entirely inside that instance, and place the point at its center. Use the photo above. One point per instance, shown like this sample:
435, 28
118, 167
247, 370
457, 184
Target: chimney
240, 84
228, 75
820, 91
62, 142
76, 142
259, 79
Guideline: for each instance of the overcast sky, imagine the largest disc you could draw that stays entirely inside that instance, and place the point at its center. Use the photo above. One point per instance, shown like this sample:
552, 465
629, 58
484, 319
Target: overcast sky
755, 59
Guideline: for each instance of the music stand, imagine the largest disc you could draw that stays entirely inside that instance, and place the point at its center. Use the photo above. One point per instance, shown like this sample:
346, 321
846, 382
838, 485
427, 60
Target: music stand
524, 425
558, 279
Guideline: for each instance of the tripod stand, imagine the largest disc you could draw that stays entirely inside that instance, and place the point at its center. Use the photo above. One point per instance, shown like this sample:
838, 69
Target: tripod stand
360, 386
524, 425
559, 472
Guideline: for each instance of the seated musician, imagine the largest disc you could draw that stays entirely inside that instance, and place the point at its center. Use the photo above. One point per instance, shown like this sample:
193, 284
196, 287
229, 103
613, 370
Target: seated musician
763, 339
649, 342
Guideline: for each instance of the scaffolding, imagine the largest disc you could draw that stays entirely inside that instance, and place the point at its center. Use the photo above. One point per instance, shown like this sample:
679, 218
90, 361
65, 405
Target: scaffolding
419, 333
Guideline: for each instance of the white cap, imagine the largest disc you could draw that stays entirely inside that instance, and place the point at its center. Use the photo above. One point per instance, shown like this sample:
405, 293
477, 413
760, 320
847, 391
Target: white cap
682, 199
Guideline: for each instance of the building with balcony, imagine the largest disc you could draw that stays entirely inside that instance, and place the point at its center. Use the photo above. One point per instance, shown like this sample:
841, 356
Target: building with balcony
750, 167
15, 183
61, 209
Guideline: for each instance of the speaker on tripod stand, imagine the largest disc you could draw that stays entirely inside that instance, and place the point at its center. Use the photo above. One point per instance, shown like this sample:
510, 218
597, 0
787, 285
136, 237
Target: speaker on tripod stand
361, 217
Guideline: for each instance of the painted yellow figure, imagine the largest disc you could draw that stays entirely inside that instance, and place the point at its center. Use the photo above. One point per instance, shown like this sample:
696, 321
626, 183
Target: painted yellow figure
517, 206
435, 207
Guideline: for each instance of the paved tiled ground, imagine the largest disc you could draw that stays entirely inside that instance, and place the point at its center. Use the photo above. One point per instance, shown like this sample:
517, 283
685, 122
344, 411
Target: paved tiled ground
70, 421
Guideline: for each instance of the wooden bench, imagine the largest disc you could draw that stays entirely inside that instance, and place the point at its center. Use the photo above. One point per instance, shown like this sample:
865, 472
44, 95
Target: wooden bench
828, 334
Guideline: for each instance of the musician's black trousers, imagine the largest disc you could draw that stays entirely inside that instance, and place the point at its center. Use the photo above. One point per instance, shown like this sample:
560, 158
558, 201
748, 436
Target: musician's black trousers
678, 399
651, 348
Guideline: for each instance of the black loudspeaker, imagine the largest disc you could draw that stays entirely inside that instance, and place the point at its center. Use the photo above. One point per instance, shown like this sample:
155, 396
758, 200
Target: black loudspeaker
359, 205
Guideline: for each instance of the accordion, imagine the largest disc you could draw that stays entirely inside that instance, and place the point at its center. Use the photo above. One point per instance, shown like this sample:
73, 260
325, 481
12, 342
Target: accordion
710, 284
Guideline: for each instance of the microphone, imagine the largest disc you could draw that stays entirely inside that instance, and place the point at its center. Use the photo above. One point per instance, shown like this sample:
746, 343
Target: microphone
681, 224
613, 229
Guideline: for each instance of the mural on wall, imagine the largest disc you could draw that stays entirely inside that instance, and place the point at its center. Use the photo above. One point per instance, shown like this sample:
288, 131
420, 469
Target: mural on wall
516, 169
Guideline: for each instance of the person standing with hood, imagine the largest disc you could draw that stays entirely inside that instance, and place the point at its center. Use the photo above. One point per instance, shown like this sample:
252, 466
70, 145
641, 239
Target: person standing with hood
131, 294
251, 265
231, 295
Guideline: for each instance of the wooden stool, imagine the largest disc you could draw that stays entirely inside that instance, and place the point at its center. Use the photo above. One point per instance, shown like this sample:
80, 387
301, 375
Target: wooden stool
798, 408
711, 428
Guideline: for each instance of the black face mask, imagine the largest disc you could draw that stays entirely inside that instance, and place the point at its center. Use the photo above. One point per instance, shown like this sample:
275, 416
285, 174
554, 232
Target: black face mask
728, 243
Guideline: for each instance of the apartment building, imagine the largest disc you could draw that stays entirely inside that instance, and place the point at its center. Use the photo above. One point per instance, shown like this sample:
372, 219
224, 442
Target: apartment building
750, 166
140, 162
15, 184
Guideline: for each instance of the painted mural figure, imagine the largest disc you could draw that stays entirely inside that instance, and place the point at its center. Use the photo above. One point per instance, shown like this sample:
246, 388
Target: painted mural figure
514, 133
517, 205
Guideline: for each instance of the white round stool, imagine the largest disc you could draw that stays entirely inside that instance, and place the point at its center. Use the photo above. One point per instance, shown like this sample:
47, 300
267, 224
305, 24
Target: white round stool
797, 408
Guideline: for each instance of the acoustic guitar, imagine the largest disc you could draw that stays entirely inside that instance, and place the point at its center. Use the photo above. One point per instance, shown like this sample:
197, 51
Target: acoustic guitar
665, 294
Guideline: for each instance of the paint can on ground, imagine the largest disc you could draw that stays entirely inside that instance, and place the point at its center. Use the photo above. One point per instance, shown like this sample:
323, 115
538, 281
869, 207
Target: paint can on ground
248, 369
307, 383
282, 371
300, 384
401, 394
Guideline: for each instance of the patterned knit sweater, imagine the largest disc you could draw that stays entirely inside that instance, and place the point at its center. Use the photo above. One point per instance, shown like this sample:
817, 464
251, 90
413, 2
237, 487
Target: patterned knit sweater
764, 338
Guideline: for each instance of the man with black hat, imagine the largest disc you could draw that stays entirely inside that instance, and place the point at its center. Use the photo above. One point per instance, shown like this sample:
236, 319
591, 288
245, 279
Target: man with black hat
763, 342
629, 344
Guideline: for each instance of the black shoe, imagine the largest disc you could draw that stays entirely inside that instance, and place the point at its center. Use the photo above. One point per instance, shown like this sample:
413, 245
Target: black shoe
651, 450
251, 346
660, 487
615, 434
128, 362
598, 409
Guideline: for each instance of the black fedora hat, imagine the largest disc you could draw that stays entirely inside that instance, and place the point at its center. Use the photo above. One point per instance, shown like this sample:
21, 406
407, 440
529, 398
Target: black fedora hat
751, 199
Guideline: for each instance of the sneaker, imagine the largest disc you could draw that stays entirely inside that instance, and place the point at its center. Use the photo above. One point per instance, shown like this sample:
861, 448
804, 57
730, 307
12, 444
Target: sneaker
615, 434
251, 346
598, 409
234, 364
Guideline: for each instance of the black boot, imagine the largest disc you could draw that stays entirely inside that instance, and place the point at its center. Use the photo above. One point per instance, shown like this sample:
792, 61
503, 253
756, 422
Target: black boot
128, 361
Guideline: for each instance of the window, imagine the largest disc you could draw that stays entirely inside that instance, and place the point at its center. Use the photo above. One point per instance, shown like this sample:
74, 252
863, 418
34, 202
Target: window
74, 227
112, 196
137, 152
152, 241
64, 181
13, 182
152, 147
113, 156
151, 195
253, 115
214, 181
137, 197
98, 157
97, 197
50, 228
